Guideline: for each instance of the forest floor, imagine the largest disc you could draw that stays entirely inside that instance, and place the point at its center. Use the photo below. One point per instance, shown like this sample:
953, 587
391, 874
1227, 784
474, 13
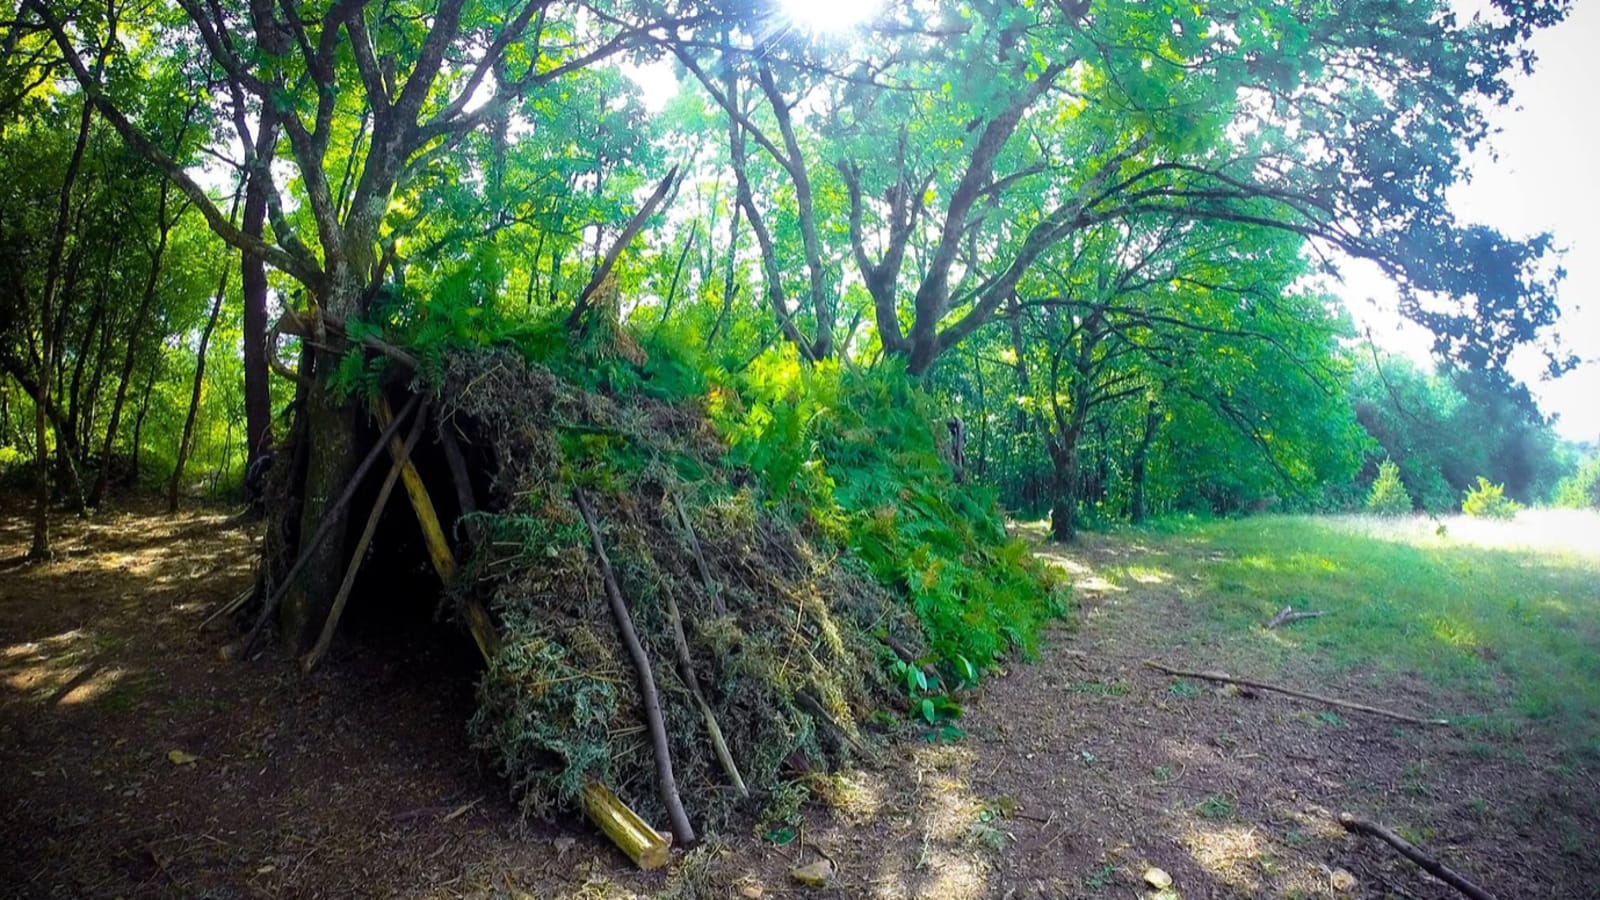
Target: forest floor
133, 762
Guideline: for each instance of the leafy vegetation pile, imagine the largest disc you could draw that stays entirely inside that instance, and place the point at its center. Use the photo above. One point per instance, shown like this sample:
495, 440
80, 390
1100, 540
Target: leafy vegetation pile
808, 528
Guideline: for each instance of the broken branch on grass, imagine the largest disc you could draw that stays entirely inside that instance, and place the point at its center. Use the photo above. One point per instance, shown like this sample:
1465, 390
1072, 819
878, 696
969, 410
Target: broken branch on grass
331, 624
686, 663
1287, 615
1439, 870
271, 605
681, 829
1225, 678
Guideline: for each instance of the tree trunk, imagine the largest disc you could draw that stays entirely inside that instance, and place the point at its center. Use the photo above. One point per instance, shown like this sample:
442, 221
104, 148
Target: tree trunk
194, 395
1064, 511
91, 398
331, 458
139, 322
1141, 455
253, 278
199, 379
144, 409
58, 243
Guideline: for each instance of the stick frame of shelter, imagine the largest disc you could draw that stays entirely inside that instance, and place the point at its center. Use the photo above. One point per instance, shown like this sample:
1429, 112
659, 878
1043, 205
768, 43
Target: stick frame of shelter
273, 599
650, 699
314, 655
719, 744
444, 561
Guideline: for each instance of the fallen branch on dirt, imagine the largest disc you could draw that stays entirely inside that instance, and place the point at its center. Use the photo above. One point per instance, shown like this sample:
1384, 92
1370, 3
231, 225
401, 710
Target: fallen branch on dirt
1432, 866
647, 847
681, 829
1287, 615
331, 624
719, 744
244, 647
1225, 678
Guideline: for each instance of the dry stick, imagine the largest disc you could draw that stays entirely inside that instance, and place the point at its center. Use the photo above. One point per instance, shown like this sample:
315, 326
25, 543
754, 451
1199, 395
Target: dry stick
310, 660
231, 606
700, 558
1318, 698
325, 526
1287, 615
686, 663
1409, 851
681, 829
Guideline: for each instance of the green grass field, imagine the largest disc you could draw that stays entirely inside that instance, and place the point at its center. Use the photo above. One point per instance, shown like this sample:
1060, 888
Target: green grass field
1503, 617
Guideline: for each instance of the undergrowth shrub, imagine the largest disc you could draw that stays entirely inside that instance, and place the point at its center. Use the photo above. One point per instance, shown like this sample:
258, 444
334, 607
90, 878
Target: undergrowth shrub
1489, 501
1581, 489
857, 451
1388, 496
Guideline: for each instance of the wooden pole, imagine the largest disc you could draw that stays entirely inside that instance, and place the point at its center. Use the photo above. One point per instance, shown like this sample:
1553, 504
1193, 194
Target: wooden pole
1439, 870
276, 596
681, 829
444, 562
1225, 678
310, 660
719, 744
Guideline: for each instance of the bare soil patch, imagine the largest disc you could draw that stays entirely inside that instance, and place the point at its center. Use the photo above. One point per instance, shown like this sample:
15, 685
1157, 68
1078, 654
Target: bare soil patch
1078, 771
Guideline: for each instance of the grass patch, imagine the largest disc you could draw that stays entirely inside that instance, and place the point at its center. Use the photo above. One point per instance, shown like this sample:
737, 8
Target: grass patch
1512, 631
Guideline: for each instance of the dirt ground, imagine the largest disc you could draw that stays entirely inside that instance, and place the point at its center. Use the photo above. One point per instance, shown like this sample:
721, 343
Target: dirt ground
133, 762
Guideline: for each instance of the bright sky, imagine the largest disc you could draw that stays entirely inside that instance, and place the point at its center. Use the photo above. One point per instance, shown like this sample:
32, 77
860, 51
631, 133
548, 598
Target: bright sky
1546, 178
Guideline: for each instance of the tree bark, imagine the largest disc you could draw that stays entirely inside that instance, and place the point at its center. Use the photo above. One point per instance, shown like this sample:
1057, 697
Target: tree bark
136, 326
194, 395
253, 279
1141, 456
138, 420
1064, 509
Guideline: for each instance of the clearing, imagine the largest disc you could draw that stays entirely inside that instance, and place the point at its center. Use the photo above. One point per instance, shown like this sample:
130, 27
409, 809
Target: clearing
135, 762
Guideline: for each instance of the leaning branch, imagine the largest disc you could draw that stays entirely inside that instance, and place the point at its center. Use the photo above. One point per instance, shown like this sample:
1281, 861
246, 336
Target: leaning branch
635, 225
271, 605
719, 744
331, 624
1432, 866
681, 829
1317, 698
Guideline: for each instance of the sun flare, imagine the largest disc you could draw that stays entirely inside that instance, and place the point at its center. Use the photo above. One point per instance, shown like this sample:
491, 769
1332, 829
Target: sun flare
828, 16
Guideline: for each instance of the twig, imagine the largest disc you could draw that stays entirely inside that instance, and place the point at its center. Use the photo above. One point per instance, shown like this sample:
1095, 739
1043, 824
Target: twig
233, 605
699, 558
331, 624
1318, 698
686, 664
332, 512
681, 829
1435, 868
1287, 615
